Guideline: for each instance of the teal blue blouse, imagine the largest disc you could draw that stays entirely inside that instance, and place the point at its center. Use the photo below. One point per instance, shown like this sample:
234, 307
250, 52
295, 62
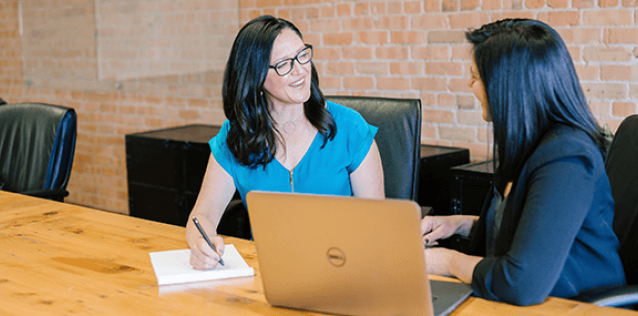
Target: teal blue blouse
321, 170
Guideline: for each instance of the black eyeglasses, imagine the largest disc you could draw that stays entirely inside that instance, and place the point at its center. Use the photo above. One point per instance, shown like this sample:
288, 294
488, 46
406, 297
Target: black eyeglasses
284, 67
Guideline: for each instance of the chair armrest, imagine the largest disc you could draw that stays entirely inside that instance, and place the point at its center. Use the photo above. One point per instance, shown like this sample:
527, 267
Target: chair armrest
53, 194
234, 221
616, 296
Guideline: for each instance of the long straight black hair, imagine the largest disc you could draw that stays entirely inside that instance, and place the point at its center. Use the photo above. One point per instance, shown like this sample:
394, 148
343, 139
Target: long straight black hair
531, 85
252, 136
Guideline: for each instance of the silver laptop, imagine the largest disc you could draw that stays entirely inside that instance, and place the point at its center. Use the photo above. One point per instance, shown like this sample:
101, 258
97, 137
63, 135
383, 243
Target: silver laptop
345, 255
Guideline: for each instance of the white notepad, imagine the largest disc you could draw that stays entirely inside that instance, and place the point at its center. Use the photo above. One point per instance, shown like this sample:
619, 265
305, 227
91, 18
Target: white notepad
173, 267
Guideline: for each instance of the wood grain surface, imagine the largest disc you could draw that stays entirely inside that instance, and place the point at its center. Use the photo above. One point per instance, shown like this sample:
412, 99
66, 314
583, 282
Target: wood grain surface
63, 259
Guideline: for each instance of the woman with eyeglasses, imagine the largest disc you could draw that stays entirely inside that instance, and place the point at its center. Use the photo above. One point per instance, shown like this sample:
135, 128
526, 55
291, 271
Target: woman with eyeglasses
280, 133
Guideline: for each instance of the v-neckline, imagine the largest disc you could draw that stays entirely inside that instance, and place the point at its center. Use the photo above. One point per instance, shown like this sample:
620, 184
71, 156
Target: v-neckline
312, 144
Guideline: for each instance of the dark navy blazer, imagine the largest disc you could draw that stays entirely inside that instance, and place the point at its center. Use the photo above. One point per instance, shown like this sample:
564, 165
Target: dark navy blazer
556, 236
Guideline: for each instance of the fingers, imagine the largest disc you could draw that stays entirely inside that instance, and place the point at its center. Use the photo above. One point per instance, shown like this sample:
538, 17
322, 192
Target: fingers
203, 257
439, 232
219, 244
434, 228
426, 224
428, 241
202, 262
429, 226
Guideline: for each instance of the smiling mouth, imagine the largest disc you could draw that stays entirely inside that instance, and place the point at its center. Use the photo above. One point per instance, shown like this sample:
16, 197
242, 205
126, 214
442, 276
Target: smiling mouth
298, 83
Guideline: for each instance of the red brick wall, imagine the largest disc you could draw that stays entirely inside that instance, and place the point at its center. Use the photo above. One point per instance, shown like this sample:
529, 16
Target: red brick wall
397, 48
50, 55
10, 50
80, 54
417, 49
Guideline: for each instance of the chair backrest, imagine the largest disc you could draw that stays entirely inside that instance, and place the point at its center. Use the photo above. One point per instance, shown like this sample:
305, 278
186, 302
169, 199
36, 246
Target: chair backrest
398, 139
37, 143
622, 170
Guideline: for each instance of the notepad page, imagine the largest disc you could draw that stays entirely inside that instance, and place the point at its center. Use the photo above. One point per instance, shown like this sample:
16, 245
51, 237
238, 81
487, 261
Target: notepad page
173, 267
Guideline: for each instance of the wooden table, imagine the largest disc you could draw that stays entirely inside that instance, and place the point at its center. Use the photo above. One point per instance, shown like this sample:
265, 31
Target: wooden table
62, 259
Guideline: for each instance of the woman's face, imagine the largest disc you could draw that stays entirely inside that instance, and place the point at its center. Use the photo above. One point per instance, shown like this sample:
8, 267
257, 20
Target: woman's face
292, 88
476, 84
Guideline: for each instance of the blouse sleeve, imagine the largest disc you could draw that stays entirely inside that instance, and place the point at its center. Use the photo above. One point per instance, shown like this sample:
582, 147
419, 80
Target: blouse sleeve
219, 149
360, 137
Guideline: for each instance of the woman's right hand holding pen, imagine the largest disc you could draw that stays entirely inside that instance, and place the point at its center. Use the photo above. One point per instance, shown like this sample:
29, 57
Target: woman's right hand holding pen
203, 256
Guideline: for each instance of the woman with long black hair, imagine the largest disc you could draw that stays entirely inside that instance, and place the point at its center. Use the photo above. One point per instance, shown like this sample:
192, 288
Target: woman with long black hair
280, 133
546, 227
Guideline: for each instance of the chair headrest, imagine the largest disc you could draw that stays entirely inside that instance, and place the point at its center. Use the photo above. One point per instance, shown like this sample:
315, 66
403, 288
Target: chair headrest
27, 135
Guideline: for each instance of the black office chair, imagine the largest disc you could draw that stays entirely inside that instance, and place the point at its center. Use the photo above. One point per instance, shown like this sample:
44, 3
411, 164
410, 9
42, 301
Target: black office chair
37, 143
398, 139
622, 170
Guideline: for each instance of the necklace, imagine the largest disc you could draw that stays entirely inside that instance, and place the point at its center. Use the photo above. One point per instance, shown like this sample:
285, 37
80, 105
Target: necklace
290, 127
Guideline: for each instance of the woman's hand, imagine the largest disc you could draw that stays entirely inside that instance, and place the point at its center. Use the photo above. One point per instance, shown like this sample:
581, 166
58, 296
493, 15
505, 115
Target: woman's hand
434, 228
448, 262
203, 257
437, 260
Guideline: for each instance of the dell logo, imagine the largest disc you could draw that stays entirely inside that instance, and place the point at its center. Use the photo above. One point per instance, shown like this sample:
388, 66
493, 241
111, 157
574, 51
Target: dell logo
336, 257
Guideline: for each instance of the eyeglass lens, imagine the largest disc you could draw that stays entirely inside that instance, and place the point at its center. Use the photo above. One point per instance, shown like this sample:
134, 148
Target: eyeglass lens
284, 67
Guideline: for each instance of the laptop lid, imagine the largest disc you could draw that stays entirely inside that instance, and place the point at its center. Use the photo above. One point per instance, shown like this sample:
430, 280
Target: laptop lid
340, 255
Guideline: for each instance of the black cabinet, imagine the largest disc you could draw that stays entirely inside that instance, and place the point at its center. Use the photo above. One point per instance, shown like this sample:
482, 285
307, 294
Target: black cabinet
165, 171
435, 176
470, 185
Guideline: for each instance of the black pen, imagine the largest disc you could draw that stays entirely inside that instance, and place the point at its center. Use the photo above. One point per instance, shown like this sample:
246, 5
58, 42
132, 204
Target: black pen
201, 231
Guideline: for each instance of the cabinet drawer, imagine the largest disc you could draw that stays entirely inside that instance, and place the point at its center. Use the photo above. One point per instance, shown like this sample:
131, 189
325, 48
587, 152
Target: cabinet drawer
151, 161
157, 204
